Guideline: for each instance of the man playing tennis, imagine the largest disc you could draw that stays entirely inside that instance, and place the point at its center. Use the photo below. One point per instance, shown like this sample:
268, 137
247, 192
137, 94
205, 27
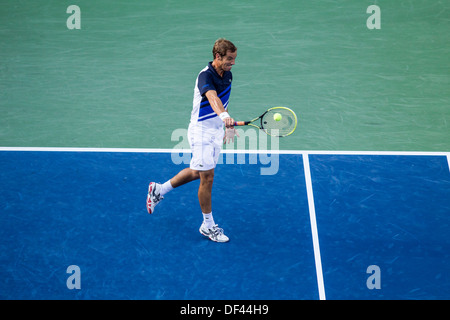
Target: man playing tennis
205, 134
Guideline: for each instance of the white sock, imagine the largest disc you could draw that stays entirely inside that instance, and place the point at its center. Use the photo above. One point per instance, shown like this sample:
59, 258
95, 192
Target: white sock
208, 220
166, 187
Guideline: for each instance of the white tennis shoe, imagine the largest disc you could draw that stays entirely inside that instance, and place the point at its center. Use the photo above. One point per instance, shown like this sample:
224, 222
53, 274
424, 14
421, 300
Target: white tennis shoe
215, 233
153, 196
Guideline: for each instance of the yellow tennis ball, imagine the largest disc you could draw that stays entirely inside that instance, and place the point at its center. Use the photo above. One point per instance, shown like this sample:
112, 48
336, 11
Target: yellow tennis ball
277, 117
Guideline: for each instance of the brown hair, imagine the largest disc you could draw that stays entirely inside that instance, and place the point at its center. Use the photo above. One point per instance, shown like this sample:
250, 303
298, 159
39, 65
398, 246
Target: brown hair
221, 46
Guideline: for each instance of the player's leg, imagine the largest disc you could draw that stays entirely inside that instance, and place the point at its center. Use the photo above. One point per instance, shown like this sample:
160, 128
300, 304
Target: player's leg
184, 176
205, 189
156, 191
208, 228
200, 152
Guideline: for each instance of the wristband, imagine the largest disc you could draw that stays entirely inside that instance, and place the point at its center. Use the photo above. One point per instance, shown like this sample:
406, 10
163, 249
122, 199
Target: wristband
224, 115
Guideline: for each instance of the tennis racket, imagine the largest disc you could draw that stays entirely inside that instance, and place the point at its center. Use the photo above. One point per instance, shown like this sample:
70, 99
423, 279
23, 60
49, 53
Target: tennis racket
277, 122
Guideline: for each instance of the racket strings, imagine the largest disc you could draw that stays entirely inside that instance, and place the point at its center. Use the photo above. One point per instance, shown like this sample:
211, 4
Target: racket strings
282, 127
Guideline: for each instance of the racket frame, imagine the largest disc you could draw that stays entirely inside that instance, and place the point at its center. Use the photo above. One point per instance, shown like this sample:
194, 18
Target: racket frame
250, 123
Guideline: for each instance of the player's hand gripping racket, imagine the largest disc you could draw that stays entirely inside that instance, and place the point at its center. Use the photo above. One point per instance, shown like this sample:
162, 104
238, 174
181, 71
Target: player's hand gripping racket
277, 122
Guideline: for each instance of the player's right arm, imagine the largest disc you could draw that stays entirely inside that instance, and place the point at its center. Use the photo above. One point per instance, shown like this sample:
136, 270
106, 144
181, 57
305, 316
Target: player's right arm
217, 106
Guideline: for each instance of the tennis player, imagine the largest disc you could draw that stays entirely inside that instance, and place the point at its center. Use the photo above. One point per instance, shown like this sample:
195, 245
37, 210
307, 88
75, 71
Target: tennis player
205, 134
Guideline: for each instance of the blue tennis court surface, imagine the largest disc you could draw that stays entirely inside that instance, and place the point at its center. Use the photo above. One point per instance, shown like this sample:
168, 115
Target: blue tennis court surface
88, 209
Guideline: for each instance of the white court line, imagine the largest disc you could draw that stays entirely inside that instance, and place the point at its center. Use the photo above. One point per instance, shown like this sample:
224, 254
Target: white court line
315, 233
448, 160
162, 150
56, 149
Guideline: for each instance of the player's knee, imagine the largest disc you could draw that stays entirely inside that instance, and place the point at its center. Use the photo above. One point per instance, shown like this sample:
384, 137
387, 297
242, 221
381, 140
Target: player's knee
207, 177
195, 174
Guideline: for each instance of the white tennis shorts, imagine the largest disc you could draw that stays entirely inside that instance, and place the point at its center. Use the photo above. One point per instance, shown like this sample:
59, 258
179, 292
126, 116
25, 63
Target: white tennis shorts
205, 146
